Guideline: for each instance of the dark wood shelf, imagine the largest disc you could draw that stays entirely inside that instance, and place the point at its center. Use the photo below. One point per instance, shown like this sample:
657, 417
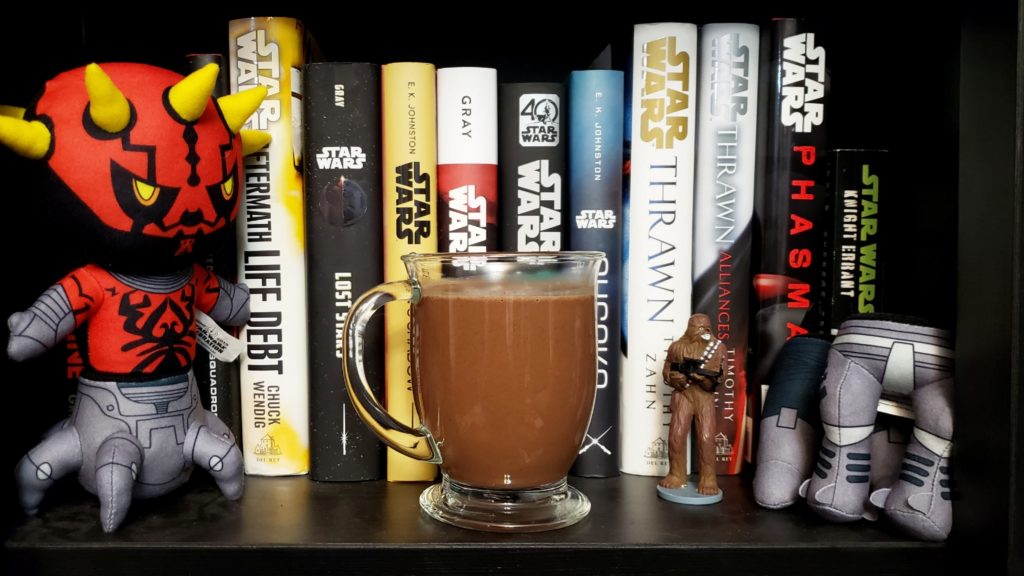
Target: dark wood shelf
296, 526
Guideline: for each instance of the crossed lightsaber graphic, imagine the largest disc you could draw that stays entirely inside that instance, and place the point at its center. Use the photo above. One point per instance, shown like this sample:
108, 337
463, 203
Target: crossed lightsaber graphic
597, 442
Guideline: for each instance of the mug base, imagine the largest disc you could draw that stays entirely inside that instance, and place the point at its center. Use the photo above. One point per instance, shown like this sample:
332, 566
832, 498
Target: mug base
549, 507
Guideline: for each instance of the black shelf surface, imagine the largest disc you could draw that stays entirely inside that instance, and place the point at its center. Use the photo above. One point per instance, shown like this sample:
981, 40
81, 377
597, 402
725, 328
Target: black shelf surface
296, 526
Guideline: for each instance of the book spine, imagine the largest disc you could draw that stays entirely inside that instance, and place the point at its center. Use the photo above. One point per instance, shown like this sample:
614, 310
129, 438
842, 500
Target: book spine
467, 159
218, 380
791, 282
660, 234
595, 206
271, 251
723, 215
344, 227
859, 247
533, 166
410, 225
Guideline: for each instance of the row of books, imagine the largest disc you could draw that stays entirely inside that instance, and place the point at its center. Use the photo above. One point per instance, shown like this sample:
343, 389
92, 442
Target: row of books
724, 208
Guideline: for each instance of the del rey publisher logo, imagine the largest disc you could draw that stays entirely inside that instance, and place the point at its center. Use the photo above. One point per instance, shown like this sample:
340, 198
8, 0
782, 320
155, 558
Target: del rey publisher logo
538, 120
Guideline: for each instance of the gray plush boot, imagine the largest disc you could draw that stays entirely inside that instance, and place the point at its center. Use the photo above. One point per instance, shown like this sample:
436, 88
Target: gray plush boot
919, 501
790, 425
870, 355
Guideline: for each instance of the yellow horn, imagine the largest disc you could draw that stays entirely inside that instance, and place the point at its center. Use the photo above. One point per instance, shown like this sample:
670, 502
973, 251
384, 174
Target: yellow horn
12, 111
107, 105
253, 140
30, 139
238, 107
189, 96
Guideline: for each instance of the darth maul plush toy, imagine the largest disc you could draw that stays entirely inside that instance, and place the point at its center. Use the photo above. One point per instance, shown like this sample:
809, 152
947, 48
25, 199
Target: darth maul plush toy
149, 164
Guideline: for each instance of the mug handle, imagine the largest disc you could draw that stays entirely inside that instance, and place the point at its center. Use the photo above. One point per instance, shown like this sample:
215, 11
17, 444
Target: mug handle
415, 443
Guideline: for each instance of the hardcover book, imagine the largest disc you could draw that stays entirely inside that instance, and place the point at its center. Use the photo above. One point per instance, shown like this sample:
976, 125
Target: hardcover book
858, 252
791, 279
344, 227
532, 170
664, 83
723, 216
467, 159
410, 225
272, 251
595, 223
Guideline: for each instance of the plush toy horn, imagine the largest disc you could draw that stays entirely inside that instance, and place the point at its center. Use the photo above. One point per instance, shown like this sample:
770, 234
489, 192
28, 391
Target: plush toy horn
253, 140
238, 107
30, 139
108, 107
12, 111
189, 96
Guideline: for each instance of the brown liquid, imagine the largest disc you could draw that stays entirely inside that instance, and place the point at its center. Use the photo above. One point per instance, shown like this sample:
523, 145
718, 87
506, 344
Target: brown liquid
505, 379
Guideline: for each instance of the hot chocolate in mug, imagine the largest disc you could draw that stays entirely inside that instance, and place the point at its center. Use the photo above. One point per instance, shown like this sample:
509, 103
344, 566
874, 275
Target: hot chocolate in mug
504, 366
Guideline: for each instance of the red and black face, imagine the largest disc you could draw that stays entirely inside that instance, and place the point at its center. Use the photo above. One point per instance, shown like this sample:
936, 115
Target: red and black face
158, 194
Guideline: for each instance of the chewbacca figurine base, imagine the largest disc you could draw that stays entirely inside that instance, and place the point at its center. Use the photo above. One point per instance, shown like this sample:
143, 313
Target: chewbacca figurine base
693, 368
688, 494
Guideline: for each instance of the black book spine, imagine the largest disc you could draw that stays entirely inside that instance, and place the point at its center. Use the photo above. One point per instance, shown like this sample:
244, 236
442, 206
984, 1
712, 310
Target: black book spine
532, 166
344, 232
859, 248
218, 381
792, 280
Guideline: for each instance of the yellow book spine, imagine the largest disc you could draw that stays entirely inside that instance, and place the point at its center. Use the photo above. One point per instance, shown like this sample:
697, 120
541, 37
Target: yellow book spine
274, 369
409, 113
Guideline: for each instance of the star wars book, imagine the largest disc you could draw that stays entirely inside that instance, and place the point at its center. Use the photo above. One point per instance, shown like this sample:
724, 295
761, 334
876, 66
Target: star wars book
410, 225
532, 171
272, 250
344, 228
856, 181
791, 280
660, 238
595, 223
467, 159
723, 216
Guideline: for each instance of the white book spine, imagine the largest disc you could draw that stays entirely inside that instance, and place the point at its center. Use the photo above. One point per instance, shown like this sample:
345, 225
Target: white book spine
272, 252
664, 100
467, 116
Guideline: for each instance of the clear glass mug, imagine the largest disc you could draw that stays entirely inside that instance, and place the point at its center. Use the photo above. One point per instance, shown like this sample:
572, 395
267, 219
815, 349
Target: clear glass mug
504, 361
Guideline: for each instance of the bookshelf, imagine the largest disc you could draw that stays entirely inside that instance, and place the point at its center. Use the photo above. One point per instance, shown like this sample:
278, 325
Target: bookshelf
941, 91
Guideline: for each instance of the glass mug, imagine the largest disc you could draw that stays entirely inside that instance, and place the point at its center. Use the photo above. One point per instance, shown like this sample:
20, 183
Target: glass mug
504, 364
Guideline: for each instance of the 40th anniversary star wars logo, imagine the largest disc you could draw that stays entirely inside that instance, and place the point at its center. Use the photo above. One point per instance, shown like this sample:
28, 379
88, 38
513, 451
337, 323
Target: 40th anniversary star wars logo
538, 120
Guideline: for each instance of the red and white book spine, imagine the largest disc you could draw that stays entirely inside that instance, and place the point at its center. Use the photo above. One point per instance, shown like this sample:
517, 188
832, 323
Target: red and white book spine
467, 159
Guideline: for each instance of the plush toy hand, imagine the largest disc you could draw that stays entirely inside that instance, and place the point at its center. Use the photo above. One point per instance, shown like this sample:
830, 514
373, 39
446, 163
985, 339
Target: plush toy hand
34, 331
21, 347
232, 307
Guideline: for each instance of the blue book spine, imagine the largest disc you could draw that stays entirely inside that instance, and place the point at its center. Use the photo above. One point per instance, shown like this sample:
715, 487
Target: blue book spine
595, 214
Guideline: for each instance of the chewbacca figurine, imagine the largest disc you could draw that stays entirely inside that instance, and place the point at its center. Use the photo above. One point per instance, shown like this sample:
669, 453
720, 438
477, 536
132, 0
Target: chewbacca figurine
693, 367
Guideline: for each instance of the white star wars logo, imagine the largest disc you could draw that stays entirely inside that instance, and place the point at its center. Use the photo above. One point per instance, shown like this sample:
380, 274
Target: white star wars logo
600, 219
803, 83
538, 120
340, 158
